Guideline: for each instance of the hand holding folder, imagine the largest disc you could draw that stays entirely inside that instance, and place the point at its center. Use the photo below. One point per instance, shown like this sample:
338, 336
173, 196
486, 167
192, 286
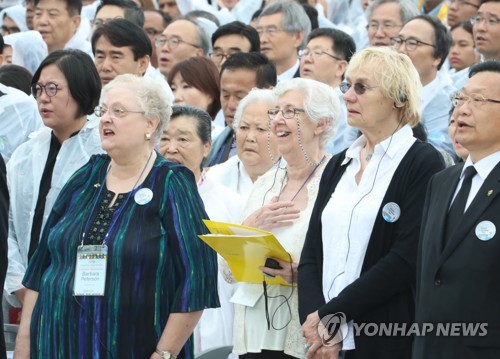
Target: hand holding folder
245, 249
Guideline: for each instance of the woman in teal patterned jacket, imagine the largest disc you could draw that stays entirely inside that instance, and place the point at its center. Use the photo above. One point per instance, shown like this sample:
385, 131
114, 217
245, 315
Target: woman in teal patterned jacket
139, 215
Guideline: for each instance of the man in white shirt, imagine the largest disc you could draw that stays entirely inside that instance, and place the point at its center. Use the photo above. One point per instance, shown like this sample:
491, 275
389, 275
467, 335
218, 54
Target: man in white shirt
58, 22
486, 29
427, 42
325, 59
283, 27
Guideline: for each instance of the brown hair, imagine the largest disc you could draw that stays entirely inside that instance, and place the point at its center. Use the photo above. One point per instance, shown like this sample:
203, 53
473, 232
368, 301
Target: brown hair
202, 74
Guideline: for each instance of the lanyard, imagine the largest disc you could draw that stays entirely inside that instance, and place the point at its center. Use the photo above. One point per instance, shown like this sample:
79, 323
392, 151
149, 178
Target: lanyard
117, 214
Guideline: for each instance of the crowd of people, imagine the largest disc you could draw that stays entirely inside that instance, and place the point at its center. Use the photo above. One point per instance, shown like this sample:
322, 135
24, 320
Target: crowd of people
364, 135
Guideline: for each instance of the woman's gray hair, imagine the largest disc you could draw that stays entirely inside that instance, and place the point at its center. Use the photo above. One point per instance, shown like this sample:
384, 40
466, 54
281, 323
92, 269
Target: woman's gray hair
256, 95
320, 103
151, 97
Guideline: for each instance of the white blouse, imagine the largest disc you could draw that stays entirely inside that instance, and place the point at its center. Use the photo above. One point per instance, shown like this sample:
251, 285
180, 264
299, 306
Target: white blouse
250, 326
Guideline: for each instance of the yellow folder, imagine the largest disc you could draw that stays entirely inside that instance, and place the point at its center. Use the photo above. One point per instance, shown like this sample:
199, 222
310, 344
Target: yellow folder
245, 249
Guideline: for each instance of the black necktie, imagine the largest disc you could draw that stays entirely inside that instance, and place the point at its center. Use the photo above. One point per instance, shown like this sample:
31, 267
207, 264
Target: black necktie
457, 209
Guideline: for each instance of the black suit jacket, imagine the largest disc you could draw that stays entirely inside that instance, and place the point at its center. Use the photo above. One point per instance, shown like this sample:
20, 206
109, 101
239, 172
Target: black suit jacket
385, 290
460, 283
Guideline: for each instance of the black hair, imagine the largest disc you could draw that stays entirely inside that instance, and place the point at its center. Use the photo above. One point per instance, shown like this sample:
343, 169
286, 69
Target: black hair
16, 76
239, 28
204, 121
489, 66
343, 44
132, 11
442, 37
81, 74
74, 7
312, 14
121, 33
257, 13
265, 71
2, 44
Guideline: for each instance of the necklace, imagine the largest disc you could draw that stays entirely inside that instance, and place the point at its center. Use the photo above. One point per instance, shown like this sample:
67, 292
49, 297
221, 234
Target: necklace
304, 183
119, 211
368, 156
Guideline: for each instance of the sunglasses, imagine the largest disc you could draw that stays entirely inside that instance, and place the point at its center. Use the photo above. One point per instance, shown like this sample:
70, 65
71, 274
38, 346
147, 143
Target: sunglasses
359, 88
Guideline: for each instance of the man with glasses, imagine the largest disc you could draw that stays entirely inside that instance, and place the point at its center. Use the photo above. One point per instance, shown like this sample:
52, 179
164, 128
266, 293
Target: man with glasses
182, 39
427, 42
155, 22
458, 266
386, 18
461, 10
232, 38
283, 27
486, 29
325, 59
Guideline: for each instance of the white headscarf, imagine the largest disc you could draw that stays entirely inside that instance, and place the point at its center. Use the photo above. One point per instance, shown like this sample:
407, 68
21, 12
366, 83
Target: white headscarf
18, 14
28, 49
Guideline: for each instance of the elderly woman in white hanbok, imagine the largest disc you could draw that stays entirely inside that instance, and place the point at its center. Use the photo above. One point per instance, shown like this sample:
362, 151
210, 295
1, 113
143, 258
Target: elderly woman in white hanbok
67, 88
304, 119
255, 145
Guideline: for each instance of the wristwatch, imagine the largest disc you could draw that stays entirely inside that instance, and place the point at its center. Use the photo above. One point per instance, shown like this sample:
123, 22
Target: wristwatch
165, 355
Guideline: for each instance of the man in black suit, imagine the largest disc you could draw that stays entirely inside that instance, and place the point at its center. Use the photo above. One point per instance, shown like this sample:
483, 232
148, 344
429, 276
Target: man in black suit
458, 278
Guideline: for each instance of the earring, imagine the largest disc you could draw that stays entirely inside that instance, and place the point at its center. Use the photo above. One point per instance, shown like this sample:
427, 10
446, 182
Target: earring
147, 136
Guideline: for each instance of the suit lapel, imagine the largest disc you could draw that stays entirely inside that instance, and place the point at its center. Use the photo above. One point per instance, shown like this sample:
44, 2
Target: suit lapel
484, 197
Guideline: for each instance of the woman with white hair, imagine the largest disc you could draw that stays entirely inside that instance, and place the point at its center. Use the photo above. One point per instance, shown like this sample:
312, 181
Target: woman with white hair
304, 119
359, 258
255, 145
120, 271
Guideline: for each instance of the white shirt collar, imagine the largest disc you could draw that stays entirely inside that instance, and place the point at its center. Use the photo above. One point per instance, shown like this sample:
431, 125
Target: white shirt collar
484, 166
288, 74
389, 146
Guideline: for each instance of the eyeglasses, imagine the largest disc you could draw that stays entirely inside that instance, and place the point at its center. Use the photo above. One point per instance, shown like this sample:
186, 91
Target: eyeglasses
116, 112
217, 56
287, 112
386, 26
6, 30
50, 89
458, 99
269, 31
172, 42
317, 53
476, 20
410, 44
463, 2
359, 88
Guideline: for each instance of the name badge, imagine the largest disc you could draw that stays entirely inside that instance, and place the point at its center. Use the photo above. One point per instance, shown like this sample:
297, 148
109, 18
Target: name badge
143, 196
90, 273
486, 230
391, 212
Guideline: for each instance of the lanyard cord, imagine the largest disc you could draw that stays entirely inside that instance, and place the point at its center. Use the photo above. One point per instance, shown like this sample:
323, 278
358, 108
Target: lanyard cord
117, 214
304, 183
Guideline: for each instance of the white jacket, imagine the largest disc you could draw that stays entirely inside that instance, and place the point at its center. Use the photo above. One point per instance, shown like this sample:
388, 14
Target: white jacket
24, 173
19, 117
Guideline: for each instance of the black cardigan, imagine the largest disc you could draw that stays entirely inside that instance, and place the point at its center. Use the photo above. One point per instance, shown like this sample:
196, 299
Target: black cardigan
384, 292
